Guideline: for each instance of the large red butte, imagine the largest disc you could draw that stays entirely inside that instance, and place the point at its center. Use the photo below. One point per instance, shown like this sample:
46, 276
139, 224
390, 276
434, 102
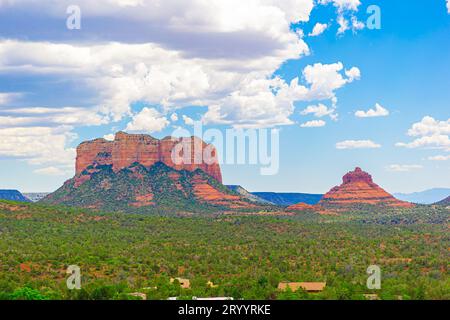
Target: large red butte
127, 149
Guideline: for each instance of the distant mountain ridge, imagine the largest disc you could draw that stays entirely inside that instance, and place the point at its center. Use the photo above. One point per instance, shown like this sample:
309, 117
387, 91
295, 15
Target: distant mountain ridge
445, 202
13, 195
424, 197
35, 196
246, 194
288, 199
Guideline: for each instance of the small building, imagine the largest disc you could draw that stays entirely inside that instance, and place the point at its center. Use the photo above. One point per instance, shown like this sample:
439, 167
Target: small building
184, 283
311, 287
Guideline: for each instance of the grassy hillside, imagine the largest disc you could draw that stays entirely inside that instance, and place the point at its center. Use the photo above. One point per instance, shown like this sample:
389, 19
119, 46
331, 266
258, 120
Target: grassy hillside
245, 256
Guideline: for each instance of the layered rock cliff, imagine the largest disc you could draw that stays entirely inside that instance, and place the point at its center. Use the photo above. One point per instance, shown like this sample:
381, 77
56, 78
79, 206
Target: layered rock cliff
127, 149
141, 173
358, 188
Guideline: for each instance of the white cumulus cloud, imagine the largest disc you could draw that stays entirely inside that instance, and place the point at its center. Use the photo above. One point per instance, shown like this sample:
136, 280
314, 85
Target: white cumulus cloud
188, 121
313, 124
439, 158
379, 111
227, 66
174, 117
38, 145
318, 29
109, 137
403, 167
429, 133
320, 110
357, 144
147, 120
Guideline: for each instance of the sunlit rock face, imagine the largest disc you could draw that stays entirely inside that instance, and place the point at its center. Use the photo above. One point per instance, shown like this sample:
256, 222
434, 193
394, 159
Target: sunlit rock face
127, 149
358, 188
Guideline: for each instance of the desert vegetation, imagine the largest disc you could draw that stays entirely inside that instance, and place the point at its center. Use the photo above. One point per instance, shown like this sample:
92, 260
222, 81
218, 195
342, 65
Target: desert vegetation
244, 256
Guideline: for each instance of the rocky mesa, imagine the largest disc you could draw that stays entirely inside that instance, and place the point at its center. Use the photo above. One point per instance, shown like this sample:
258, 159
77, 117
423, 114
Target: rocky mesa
127, 149
137, 171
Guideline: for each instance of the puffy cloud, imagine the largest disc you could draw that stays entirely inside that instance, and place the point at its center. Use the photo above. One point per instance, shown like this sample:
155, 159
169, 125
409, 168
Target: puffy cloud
403, 167
125, 73
313, 124
448, 6
343, 25
147, 120
434, 141
342, 5
174, 117
357, 144
353, 74
217, 54
216, 28
324, 79
429, 126
320, 110
38, 145
379, 111
188, 121
109, 137
429, 133
32, 116
357, 25
257, 103
270, 102
318, 29
439, 158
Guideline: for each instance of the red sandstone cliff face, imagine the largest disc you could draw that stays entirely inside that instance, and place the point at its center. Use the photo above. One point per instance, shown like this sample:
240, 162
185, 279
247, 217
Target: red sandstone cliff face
127, 149
302, 207
359, 188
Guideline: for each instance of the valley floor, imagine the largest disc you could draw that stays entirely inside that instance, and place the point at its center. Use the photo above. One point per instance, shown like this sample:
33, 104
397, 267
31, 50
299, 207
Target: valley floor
240, 256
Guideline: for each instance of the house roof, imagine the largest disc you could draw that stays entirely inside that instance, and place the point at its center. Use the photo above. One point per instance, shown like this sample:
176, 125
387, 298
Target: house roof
307, 286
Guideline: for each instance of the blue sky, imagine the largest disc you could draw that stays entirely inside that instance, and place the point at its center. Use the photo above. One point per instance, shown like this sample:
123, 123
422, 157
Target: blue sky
59, 87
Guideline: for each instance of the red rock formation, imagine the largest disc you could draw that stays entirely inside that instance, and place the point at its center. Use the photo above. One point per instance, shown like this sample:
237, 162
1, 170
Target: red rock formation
301, 207
204, 192
359, 188
127, 149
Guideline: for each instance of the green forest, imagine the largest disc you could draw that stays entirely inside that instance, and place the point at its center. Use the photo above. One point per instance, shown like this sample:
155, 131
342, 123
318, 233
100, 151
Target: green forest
244, 256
